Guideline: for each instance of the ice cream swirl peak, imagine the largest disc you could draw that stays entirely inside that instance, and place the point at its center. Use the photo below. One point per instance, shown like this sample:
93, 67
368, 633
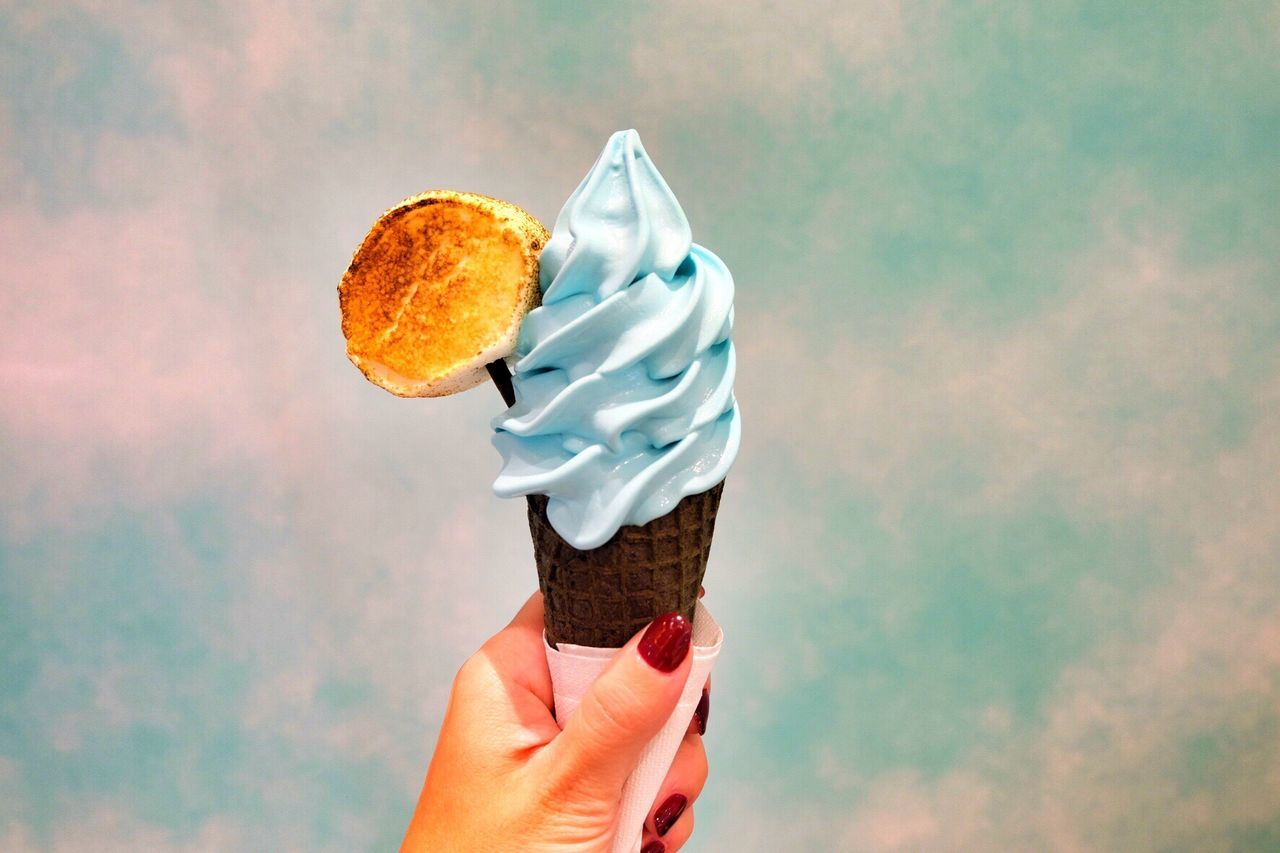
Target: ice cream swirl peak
624, 375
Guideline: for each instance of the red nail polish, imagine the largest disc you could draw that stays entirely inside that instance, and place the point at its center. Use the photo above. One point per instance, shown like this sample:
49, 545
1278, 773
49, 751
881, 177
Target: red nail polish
654, 847
665, 644
704, 708
669, 812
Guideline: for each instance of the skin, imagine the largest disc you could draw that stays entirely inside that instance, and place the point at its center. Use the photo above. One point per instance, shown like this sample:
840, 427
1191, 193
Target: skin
505, 777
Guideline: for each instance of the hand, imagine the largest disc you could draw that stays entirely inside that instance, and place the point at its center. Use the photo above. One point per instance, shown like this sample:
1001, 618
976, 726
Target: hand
505, 777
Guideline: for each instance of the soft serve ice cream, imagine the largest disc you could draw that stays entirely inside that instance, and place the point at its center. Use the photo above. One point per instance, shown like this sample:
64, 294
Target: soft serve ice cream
624, 375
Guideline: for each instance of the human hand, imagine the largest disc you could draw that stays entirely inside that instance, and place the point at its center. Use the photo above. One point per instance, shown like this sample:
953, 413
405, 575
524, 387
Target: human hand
505, 777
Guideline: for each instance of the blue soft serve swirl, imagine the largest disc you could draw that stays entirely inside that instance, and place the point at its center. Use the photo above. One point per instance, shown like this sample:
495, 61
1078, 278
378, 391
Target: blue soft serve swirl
624, 375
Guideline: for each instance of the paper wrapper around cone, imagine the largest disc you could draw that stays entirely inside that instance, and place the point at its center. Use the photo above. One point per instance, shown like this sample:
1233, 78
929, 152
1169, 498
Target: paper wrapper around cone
603, 596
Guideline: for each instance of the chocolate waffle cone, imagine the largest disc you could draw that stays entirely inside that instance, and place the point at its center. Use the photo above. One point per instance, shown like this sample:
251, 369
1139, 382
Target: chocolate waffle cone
602, 597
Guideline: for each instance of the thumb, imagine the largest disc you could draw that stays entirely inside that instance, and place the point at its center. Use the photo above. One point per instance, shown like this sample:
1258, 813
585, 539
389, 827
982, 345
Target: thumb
622, 711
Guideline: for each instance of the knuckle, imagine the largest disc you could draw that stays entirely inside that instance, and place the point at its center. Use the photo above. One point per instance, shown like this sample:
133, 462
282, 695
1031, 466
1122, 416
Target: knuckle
572, 796
472, 674
466, 672
616, 710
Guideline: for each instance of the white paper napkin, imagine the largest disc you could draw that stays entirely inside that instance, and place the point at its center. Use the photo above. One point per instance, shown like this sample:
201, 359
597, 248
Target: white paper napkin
574, 668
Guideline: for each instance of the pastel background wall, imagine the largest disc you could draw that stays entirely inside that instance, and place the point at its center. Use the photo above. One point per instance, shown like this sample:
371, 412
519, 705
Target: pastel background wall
999, 563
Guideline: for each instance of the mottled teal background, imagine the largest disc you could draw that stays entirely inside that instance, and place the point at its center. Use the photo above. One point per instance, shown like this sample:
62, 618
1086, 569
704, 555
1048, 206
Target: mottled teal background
999, 563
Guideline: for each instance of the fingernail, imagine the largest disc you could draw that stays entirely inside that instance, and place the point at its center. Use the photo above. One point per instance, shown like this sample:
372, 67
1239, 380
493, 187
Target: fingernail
654, 847
666, 644
669, 812
704, 708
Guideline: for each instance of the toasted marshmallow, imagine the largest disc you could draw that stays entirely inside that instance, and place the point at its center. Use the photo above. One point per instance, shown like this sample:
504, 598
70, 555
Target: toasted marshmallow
438, 289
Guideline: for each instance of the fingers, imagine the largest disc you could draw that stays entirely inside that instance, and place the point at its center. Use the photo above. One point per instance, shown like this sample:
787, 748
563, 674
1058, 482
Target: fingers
675, 838
623, 710
686, 778
682, 786
703, 710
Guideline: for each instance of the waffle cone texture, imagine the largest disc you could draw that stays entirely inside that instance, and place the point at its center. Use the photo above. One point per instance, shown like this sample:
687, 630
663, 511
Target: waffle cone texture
603, 596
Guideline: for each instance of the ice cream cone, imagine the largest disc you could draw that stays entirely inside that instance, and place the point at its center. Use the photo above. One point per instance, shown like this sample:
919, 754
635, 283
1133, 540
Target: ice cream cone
603, 596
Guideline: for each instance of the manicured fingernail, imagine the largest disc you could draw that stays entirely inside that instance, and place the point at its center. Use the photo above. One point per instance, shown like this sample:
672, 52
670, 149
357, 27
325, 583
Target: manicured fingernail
666, 644
704, 708
669, 812
654, 847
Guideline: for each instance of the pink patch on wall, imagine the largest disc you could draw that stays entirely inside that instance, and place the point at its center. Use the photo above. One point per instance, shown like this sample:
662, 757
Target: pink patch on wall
120, 375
